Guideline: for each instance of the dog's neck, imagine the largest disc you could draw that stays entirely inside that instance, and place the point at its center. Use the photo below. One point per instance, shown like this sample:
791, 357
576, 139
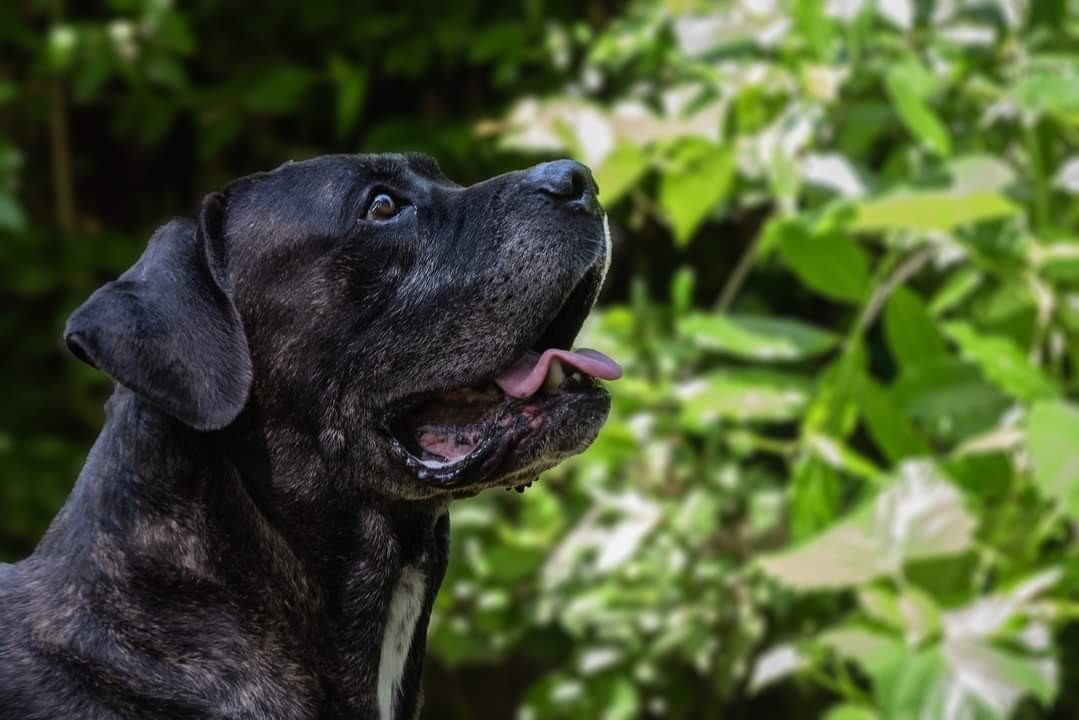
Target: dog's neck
317, 596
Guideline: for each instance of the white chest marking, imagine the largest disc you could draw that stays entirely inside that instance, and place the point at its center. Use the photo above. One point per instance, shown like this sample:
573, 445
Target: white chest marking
405, 607
607, 257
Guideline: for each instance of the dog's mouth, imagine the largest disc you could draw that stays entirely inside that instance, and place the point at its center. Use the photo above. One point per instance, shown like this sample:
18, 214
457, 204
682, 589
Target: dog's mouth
464, 436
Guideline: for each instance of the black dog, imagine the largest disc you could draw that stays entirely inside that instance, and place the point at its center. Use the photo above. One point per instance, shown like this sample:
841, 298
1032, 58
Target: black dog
305, 377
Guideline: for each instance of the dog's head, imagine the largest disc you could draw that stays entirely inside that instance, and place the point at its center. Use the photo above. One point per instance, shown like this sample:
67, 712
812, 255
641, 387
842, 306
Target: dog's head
419, 331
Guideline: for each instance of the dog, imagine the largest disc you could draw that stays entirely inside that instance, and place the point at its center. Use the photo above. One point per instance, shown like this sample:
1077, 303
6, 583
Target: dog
306, 374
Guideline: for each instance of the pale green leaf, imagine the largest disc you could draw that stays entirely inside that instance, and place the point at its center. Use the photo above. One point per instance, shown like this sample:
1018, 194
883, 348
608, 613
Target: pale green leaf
848, 711
699, 176
743, 395
620, 171
972, 190
931, 210
1048, 93
757, 337
1052, 437
921, 515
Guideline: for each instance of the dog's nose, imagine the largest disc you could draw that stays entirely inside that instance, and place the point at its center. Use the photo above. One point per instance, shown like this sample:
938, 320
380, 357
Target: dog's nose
566, 180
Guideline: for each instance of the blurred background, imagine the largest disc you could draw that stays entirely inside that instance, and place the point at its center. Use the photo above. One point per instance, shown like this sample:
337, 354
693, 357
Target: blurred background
841, 475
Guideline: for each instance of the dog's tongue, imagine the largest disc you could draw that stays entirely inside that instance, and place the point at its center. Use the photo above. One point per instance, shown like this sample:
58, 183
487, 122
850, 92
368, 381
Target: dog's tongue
526, 375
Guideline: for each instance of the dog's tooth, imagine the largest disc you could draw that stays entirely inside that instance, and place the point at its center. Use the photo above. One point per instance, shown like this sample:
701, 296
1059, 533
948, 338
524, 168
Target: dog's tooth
555, 376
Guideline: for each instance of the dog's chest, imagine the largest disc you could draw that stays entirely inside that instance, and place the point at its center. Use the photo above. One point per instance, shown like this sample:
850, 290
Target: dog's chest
406, 605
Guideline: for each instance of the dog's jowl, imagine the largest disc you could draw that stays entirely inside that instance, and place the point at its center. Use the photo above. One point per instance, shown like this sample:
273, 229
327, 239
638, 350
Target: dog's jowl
306, 374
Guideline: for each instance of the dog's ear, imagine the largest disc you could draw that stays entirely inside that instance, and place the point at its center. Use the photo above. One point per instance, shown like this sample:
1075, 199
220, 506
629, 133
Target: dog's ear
168, 329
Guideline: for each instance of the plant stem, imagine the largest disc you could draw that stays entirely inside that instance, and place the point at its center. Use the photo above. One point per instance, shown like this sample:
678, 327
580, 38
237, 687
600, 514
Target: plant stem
904, 272
739, 275
1041, 185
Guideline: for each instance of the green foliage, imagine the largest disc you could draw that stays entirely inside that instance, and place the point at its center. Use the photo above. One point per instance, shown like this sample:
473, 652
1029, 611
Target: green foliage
839, 478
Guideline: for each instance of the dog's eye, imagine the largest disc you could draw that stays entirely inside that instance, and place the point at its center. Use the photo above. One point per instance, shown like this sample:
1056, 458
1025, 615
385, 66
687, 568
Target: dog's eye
382, 207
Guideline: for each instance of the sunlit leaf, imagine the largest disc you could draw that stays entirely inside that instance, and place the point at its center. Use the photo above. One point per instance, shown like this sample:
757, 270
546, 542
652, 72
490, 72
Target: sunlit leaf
742, 395
929, 210
773, 665
1052, 437
957, 288
699, 176
909, 86
757, 337
1002, 362
815, 497
973, 191
833, 171
1067, 177
849, 711
1048, 92
920, 515
620, 171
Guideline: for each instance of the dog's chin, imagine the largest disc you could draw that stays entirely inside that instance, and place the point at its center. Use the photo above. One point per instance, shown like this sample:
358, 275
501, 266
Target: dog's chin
469, 440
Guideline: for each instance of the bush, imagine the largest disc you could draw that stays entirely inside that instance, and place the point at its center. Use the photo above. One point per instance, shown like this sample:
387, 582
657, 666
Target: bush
838, 477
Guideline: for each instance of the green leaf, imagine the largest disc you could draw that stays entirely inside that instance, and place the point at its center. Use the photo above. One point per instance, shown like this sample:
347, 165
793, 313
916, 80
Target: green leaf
887, 425
276, 89
351, 82
814, 26
815, 497
1002, 363
957, 287
848, 711
971, 189
1048, 93
834, 409
699, 177
964, 674
873, 650
11, 215
909, 85
910, 331
747, 395
931, 210
949, 399
831, 265
1052, 437
757, 337
920, 515
619, 172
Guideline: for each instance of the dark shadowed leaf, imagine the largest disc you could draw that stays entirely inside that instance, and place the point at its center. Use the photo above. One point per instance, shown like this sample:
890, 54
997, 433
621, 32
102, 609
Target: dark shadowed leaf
832, 265
912, 335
